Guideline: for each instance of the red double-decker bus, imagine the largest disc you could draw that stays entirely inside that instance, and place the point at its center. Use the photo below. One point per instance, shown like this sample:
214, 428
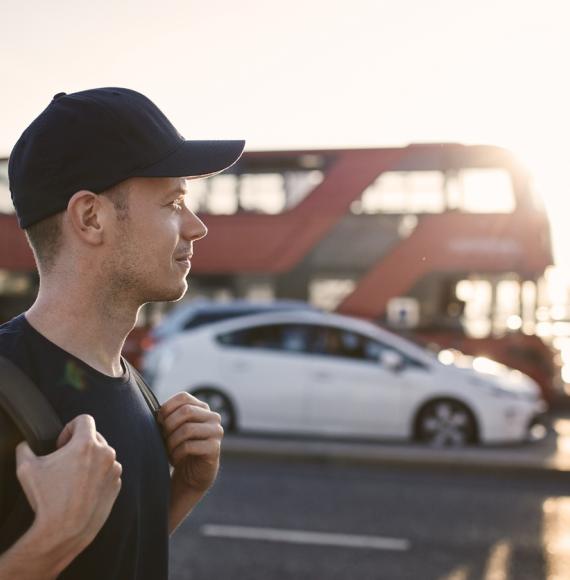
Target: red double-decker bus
444, 242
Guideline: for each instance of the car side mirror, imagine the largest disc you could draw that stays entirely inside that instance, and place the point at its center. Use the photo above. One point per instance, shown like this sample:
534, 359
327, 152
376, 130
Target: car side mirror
391, 360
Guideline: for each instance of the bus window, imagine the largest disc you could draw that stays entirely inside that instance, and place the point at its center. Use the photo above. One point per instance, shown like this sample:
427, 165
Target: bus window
5, 199
404, 192
216, 195
477, 294
328, 293
262, 192
480, 191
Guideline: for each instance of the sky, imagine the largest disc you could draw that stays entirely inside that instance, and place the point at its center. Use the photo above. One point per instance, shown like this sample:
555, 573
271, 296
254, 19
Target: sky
313, 73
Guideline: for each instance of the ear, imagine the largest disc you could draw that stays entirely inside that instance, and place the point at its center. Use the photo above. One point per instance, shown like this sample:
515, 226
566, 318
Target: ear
86, 214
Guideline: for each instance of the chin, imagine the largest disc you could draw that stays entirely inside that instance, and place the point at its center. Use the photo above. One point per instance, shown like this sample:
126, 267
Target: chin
173, 294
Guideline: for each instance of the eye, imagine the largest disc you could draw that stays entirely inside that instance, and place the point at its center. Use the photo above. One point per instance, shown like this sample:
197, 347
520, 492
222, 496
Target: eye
177, 204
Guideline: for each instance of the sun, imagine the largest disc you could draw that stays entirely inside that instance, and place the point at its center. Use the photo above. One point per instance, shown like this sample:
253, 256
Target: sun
547, 163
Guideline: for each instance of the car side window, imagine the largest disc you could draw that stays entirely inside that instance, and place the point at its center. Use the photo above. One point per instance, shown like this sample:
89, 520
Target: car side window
282, 337
341, 343
344, 343
208, 317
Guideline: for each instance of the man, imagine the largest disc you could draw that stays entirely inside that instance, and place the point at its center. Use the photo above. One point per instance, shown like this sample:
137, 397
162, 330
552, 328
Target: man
98, 181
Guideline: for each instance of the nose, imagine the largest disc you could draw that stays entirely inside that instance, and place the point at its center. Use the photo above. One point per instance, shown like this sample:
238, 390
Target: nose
193, 228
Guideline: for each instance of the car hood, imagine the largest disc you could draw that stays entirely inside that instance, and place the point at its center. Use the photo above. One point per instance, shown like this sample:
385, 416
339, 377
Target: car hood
475, 369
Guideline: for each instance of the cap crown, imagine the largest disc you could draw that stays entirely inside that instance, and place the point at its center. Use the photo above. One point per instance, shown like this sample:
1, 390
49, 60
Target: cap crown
87, 140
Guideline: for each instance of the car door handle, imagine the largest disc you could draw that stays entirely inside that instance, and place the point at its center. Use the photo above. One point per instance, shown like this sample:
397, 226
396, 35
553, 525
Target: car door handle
321, 375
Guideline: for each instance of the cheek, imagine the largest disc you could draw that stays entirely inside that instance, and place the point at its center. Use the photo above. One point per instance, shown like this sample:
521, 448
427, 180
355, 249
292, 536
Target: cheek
161, 243
151, 241
161, 230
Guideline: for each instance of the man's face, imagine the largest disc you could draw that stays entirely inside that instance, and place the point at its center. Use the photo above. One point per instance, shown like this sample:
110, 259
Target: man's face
152, 242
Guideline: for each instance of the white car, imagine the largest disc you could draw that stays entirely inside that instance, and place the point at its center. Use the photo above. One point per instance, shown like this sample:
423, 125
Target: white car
319, 373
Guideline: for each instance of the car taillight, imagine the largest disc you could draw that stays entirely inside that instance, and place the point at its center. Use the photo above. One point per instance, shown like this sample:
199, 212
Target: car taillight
148, 342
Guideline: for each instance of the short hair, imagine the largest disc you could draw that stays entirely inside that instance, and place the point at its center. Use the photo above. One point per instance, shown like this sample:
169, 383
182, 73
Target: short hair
45, 236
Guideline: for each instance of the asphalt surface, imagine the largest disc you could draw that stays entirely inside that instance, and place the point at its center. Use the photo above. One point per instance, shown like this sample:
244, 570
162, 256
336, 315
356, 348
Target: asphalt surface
309, 508
272, 519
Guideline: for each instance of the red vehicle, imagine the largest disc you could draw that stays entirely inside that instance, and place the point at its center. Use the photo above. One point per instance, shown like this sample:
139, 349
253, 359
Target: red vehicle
448, 237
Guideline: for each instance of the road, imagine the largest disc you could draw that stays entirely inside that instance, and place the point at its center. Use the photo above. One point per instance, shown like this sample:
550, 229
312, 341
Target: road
303, 520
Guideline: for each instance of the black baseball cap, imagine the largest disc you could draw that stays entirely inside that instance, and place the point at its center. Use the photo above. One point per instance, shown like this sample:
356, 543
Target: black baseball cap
97, 138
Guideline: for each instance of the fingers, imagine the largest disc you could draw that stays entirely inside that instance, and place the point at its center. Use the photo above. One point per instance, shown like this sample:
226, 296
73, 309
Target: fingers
114, 474
101, 439
65, 435
82, 426
187, 413
194, 432
179, 400
24, 453
208, 447
191, 430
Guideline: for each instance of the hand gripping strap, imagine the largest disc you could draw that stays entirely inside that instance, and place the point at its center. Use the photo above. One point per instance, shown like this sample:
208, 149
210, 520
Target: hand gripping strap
31, 412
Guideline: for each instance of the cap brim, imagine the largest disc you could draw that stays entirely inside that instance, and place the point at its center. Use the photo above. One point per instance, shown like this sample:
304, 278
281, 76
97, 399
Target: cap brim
195, 159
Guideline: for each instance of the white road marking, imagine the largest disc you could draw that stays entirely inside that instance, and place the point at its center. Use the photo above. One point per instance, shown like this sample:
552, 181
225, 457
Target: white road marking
304, 537
461, 573
556, 537
498, 563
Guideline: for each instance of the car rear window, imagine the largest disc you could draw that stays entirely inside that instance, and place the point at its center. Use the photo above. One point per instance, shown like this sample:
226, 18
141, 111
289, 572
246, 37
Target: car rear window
283, 337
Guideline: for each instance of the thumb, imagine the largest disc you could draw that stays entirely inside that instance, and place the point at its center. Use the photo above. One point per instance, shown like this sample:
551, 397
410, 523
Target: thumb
24, 453
64, 436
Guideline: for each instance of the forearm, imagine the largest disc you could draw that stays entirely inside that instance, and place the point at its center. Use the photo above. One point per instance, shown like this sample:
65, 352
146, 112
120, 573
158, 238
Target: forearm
182, 502
36, 557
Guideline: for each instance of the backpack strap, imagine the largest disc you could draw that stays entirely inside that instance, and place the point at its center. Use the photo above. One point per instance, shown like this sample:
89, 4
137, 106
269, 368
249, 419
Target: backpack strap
28, 408
146, 392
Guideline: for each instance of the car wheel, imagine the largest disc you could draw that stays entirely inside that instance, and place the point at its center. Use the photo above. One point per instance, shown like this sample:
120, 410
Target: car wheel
219, 403
446, 423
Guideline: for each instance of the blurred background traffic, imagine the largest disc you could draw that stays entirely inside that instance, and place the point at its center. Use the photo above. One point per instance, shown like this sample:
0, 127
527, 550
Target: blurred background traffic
389, 261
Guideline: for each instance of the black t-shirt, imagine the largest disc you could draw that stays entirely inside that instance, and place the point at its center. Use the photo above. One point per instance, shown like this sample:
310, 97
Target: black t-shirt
133, 543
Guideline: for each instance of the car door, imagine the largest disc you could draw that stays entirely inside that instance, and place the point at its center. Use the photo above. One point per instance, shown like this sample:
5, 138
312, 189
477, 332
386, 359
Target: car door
349, 390
265, 368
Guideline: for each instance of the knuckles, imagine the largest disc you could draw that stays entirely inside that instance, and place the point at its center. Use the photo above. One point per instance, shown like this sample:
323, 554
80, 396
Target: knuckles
117, 469
108, 455
85, 418
188, 411
188, 431
86, 445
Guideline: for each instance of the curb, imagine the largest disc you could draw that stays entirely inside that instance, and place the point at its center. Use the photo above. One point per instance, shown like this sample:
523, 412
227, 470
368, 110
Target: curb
533, 458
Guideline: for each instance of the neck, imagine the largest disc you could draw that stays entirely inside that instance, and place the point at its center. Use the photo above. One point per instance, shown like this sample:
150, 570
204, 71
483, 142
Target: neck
84, 322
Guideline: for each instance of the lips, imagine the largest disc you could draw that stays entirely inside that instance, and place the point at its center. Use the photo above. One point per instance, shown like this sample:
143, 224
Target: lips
184, 254
184, 260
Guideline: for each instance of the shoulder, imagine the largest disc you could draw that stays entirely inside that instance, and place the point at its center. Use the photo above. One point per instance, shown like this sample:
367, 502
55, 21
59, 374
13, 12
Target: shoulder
11, 347
11, 334
14, 510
